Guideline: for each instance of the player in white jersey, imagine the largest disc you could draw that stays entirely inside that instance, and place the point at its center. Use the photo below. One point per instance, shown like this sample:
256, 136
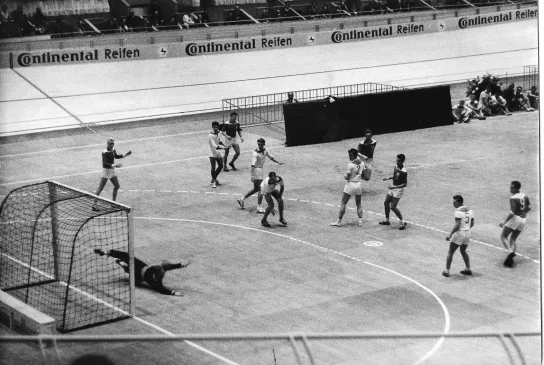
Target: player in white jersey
257, 163
354, 186
273, 186
460, 235
515, 221
215, 156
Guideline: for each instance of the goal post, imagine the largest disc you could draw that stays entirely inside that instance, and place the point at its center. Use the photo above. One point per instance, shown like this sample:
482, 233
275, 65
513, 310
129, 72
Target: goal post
49, 233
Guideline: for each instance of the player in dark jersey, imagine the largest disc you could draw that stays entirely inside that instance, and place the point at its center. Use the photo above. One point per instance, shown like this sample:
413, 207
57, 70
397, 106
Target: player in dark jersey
366, 147
108, 170
152, 275
515, 221
396, 190
229, 130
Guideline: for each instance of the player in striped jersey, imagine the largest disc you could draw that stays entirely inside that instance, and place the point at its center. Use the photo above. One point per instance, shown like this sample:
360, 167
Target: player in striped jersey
515, 221
396, 190
460, 235
215, 156
353, 186
257, 163
108, 170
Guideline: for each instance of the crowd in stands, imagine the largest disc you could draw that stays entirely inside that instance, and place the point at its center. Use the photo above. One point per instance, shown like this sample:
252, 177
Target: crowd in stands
17, 23
495, 100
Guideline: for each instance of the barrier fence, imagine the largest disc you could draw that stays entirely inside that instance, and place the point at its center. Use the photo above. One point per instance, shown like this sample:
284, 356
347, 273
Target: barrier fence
299, 343
530, 77
268, 108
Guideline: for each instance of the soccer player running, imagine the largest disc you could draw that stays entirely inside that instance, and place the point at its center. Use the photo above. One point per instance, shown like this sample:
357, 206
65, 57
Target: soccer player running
273, 186
353, 186
515, 221
460, 235
108, 170
215, 156
229, 130
396, 190
152, 275
257, 163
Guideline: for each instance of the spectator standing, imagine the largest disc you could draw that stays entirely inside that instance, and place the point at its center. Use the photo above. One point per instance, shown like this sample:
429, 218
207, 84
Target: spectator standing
4, 13
325, 12
154, 7
312, 10
533, 97
265, 16
291, 98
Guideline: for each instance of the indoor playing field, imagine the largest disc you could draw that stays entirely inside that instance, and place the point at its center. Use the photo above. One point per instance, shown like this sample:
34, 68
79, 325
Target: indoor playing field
309, 277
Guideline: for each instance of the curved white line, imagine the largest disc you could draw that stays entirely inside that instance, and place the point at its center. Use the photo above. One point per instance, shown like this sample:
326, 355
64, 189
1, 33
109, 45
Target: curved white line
444, 308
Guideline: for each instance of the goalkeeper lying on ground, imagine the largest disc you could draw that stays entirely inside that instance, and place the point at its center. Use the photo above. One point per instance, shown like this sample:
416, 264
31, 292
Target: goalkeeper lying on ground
143, 272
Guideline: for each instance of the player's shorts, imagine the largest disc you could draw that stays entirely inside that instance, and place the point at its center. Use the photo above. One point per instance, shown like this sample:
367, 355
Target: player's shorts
369, 162
461, 237
108, 173
353, 188
516, 223
258, 174
265, 191
396, 193
228, 142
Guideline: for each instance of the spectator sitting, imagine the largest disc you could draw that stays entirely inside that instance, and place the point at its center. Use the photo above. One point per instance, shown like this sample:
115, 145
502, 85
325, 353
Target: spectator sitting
486, 102
353, 10
500, 104
325, 12
289, 13
131, 21
278, 17
205, 18
534, 98
124, 27
461, 113
39, 20
508, 95
342, 8
152, 8
155, 20
312, 10
265, 16
521, 100
22, 21
475, 106
291, 98
187, 21
4, 13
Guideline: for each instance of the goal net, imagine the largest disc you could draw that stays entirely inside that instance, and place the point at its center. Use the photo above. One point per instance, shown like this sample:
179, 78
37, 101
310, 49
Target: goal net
49, 232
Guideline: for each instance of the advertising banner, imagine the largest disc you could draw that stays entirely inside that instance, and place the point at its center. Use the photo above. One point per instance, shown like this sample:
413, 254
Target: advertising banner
257, 43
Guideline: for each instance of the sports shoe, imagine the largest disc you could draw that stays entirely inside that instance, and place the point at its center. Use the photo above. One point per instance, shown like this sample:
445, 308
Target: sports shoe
240, 203
403, 226
509, 262
385, 223
260, 210
336, 224
361, 223
232, 167
225, 169
283, 222
214, 185
211, 182
446, 274
265, 223
217, 182
95, 208
466, 272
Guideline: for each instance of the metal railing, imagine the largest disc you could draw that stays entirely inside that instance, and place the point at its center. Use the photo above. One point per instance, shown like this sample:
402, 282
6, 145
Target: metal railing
530, 77
268, 108
50, 354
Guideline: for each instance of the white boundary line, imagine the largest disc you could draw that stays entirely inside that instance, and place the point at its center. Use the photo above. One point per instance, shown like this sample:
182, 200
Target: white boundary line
217, 356
444, 308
